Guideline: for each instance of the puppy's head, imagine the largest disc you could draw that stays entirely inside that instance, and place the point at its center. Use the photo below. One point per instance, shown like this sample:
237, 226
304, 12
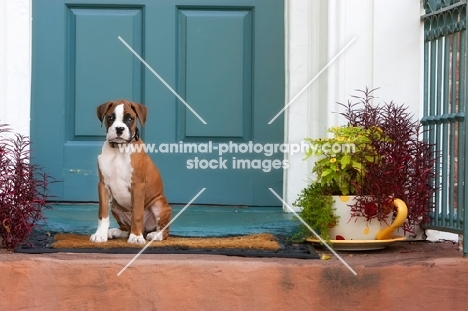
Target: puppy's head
120, 119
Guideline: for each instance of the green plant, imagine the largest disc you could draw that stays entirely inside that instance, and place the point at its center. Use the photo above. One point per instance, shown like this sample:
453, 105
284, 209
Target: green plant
341, 164
317, 211
389, 160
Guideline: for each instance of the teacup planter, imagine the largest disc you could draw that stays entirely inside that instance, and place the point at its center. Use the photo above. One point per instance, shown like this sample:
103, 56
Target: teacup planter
378, 152
359, 228
357, 233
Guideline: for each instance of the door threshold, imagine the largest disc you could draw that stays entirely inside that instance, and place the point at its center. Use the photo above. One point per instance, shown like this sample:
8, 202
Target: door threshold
196, 221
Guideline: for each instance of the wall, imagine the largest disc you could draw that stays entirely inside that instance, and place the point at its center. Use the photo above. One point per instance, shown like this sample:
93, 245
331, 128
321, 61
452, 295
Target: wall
15, 64
197, 282
386, 53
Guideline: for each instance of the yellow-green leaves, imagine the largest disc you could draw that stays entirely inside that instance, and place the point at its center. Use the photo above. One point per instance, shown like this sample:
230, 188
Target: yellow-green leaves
345, 160
340, 164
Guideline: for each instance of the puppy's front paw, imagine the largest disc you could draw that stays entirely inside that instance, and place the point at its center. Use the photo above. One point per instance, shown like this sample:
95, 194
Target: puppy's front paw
98, 238
136, 239
155, 236
101, 232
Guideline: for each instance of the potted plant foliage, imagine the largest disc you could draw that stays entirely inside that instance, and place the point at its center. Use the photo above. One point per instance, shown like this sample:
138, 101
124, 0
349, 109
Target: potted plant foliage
23, 190
379, 159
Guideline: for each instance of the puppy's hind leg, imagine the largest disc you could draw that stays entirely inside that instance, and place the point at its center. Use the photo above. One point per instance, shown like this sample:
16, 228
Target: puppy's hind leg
123, 219
162, 214
116, 233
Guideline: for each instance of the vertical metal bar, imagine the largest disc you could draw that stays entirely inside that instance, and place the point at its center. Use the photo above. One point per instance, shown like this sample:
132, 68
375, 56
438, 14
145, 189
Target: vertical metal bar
437, 111
432, 112
427, 45
465, 158
453, 99
443, 112
435, 131
426, 98
460, 125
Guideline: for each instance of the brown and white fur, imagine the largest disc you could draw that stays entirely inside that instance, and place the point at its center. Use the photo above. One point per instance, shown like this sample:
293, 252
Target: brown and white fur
129, 178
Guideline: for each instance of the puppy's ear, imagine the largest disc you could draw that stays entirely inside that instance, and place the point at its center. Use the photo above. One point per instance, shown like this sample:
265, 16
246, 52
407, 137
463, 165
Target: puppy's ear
141, 112
102, 110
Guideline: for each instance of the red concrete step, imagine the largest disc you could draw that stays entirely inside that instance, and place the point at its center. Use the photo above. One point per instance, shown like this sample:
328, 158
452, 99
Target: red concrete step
400, 278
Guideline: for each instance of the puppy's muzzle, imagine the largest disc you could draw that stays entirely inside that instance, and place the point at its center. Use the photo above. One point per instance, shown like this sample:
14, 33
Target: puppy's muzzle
119, 130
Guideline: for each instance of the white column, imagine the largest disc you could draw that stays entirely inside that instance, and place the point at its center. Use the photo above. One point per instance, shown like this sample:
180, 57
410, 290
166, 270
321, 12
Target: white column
306, 54
398, 53
15, 64
386, 54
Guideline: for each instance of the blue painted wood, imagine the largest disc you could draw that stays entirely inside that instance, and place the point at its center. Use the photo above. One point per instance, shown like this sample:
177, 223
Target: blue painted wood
197, 220
216, 49
224, 61
445, 88
100, 69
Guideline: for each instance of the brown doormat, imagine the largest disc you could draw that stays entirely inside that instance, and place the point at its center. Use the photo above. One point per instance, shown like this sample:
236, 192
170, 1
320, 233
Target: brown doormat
254, 241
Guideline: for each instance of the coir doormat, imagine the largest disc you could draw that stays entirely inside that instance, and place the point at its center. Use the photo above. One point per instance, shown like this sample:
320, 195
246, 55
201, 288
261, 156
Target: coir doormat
256, 241
255, 245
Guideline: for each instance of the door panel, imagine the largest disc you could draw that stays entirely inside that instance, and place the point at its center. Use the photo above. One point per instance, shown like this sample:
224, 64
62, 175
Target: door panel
225, 58
215, 54
97, 69
97, 59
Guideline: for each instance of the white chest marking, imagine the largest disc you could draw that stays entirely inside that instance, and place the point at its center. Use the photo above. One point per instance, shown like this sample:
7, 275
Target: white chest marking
116, 171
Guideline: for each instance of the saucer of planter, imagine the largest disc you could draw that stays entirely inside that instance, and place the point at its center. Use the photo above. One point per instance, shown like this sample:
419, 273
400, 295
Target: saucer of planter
359, 234
359, 245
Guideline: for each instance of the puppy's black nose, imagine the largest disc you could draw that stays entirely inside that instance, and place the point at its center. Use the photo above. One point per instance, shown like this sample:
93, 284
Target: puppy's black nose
119, 130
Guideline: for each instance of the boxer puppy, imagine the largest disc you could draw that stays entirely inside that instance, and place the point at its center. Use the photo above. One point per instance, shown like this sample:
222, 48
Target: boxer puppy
129, 178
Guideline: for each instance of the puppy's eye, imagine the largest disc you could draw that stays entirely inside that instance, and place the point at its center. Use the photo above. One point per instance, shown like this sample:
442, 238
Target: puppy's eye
110, 118
129, 119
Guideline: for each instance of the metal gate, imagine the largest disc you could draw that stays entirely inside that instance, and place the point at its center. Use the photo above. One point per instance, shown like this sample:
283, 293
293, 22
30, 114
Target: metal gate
445, 103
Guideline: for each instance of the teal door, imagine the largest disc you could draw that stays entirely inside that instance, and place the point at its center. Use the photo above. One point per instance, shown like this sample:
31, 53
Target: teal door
224, 58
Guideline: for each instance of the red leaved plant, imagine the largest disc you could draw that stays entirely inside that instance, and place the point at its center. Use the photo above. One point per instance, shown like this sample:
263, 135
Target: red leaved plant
23, 190
405, 163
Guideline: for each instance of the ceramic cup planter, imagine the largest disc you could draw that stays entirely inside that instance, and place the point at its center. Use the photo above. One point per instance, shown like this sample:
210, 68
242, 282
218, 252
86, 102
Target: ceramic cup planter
358, 228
